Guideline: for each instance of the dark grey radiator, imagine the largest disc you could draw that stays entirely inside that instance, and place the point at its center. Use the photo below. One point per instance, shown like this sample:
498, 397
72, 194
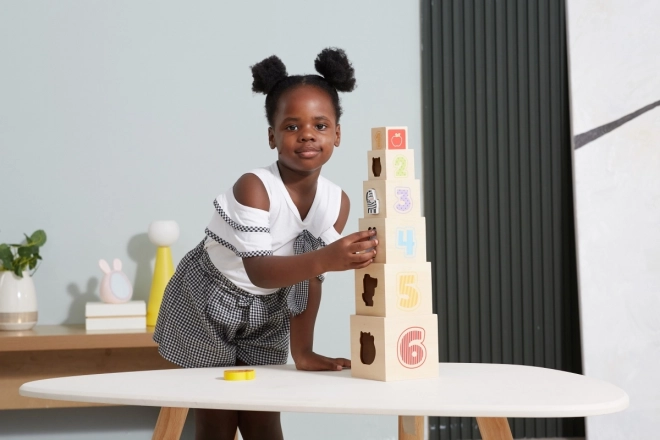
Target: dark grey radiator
498, 191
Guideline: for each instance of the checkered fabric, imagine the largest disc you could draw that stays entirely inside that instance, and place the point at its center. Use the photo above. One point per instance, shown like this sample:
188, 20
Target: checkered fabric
235, 225
232, 248
206, 321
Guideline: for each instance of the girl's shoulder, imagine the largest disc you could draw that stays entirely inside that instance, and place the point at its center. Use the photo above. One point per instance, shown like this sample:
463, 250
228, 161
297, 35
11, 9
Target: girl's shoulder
254, 188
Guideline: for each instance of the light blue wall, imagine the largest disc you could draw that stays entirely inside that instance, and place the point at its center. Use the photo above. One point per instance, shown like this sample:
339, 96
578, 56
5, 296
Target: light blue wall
114, 114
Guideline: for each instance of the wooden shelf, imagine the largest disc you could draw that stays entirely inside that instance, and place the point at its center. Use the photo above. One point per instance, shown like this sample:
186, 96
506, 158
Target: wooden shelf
49, 351
73, 337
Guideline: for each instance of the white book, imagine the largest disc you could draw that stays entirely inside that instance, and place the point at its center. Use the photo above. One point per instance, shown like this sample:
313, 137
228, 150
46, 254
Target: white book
121, 323
101, 309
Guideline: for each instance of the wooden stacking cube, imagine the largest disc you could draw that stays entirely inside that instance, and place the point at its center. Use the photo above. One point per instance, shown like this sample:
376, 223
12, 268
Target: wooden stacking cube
391, 164
388, 290
389, 138
391, 198
400, 239
395, 348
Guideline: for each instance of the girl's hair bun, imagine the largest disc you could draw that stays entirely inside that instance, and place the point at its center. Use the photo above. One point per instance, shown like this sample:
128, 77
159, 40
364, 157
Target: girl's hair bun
333, 65
267, 73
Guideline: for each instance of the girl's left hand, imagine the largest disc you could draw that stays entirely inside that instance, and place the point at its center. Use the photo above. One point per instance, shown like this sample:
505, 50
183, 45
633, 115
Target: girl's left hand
316, 362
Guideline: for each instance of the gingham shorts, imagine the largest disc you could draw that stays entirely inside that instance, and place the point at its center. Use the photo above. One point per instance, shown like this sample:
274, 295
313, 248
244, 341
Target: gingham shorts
207, 321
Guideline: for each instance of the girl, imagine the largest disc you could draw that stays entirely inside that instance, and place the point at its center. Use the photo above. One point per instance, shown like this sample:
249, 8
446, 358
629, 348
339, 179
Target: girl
256, 277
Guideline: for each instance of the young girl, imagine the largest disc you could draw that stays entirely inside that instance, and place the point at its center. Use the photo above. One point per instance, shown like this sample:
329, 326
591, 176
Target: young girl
256, 277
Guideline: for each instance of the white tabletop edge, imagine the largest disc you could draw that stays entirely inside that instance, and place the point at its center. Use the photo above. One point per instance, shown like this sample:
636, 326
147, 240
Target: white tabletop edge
61, 389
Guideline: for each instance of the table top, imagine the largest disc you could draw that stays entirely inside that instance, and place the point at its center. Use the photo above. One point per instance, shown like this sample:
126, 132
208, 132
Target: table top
461, 390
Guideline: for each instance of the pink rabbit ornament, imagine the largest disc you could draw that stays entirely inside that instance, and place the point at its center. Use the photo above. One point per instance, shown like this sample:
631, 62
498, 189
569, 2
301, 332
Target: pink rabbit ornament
115, 285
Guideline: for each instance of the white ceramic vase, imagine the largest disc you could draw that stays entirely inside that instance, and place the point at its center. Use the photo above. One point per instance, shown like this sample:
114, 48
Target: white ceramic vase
18, 302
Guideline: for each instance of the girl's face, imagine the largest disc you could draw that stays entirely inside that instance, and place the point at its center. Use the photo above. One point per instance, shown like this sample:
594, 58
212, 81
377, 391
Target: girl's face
305, 130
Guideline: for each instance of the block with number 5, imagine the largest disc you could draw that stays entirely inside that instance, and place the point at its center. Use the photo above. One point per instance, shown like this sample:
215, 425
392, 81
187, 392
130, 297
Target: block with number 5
394, 348
394, 290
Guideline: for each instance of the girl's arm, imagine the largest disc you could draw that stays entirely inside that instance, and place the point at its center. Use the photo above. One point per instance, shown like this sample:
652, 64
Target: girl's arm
277, 271
302, 325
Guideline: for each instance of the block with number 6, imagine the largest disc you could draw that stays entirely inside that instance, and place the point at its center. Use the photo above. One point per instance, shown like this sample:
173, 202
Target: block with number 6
395, 348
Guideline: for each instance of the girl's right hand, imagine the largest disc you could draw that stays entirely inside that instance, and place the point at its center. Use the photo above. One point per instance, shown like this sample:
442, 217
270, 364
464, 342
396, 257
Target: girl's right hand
355, 251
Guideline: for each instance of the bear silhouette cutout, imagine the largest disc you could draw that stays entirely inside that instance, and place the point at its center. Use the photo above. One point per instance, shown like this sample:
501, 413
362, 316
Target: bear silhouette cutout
367, 348
369, 285
376, 167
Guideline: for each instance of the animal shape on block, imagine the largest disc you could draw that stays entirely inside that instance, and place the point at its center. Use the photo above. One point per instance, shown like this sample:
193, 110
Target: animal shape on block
115, 285
367, 348
163, 234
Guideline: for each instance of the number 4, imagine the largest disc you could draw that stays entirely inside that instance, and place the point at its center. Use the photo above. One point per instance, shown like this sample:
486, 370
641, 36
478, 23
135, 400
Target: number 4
406, 240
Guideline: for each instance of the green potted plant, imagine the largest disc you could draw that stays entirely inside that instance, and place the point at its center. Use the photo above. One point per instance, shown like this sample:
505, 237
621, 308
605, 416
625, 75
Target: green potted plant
18, 299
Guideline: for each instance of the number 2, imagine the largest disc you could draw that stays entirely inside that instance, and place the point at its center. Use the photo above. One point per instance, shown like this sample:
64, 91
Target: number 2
401, 166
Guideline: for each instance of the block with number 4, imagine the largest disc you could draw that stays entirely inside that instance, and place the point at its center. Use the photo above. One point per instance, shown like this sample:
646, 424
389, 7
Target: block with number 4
394, 348
400, 239
391, 164
393, 290
389, 138
391, 198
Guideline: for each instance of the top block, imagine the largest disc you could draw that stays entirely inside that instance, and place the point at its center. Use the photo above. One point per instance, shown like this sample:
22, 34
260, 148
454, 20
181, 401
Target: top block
389, 138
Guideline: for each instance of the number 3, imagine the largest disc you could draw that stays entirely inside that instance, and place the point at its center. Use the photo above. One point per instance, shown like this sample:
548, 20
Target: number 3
404, 202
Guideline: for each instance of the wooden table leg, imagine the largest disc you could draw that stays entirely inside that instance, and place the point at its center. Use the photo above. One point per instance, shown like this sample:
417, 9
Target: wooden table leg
411, 428
494, 428
170, 423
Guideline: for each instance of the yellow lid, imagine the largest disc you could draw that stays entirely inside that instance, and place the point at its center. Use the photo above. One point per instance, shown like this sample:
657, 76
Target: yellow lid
239, 374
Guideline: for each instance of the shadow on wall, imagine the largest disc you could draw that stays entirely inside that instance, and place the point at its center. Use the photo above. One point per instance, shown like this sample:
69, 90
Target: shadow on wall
142, 251
79, 298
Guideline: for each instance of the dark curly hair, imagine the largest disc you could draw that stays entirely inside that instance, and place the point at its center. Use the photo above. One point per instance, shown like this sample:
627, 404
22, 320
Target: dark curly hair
336, 74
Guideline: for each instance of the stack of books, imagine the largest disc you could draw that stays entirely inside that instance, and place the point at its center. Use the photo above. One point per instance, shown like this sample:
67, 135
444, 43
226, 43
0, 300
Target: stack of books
131, 315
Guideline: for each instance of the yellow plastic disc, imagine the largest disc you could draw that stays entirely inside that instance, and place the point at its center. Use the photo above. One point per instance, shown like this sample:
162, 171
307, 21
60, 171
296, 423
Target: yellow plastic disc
239, 374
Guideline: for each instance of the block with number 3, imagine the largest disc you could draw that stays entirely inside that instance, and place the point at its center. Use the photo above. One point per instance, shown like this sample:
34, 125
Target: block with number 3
391, 198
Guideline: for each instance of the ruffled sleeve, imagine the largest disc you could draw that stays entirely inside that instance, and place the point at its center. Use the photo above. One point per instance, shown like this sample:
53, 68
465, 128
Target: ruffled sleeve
242, 229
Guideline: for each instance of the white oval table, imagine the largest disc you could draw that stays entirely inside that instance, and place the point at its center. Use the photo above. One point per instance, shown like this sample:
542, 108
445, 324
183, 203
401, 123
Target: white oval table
489, 392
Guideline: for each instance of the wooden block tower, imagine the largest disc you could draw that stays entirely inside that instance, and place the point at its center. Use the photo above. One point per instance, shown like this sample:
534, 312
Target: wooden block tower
394, 333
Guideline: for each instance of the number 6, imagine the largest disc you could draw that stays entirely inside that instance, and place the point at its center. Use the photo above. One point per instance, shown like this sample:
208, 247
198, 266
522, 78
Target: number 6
410, 350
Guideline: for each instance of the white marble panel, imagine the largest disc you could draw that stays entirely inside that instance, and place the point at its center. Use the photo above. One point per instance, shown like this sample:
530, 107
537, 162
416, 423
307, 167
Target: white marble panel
614, 49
